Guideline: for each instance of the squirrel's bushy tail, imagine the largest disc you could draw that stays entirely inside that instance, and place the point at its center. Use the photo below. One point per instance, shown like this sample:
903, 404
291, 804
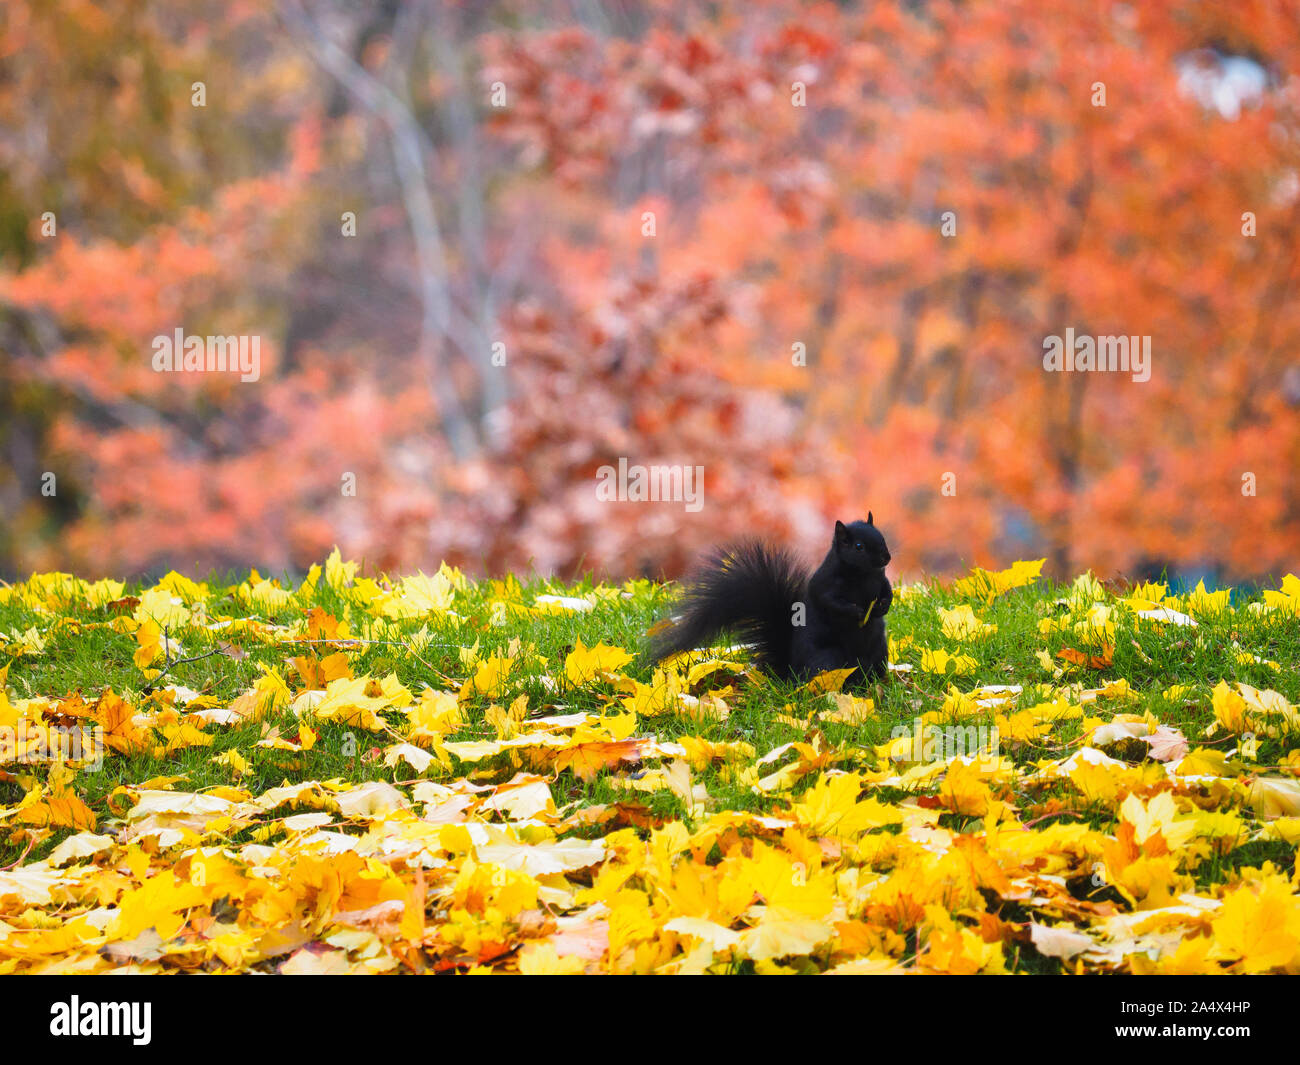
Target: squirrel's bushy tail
749, 590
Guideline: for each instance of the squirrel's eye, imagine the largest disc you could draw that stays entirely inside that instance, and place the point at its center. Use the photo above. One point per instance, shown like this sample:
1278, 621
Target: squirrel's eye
859, 546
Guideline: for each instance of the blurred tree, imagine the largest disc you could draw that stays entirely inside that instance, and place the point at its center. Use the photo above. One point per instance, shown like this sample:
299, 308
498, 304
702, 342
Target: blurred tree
866, 220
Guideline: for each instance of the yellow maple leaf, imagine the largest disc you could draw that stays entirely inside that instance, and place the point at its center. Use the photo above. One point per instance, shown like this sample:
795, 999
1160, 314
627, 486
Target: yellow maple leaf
180, 736
831, 808
780, 936
988, 586
964, 791
64, 811
238, 764
490, 678
542, 959
161, 902
588, 759
702, 753
849, 709
436, 711
941, 662
1202, 602
120, 731
588, 663
346, 701
1259, 927
832, 680
507, 722
960, 623
162, 606
1274, 797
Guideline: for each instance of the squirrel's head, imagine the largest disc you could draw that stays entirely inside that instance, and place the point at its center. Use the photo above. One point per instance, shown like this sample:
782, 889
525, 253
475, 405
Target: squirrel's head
860, 546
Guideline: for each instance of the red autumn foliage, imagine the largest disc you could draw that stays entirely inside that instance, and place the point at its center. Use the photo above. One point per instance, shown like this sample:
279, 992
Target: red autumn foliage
865, 221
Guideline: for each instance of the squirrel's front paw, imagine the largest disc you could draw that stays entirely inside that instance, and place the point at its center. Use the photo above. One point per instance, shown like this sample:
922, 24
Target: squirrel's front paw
883, 602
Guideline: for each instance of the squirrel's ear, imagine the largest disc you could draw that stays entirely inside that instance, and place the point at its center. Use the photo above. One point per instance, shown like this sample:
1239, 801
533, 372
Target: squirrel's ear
841, 532
869, 521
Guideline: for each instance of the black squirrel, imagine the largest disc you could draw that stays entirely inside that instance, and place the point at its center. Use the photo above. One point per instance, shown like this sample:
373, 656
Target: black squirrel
800, 625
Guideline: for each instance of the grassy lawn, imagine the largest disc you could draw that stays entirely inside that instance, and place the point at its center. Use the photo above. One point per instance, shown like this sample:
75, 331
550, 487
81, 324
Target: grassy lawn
435, 774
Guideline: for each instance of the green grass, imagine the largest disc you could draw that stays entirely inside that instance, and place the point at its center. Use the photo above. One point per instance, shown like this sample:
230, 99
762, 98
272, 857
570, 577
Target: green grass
89, 657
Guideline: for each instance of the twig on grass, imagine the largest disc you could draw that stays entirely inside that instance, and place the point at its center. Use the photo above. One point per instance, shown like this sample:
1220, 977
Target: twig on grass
1058, 813
151, 687
31, 842
393, 643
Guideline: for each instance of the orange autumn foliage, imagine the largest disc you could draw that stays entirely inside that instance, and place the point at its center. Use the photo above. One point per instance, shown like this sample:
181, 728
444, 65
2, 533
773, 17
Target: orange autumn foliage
867, 218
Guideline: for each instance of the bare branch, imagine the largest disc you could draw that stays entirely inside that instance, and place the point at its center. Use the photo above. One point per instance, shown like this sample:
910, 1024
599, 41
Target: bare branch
409, 144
